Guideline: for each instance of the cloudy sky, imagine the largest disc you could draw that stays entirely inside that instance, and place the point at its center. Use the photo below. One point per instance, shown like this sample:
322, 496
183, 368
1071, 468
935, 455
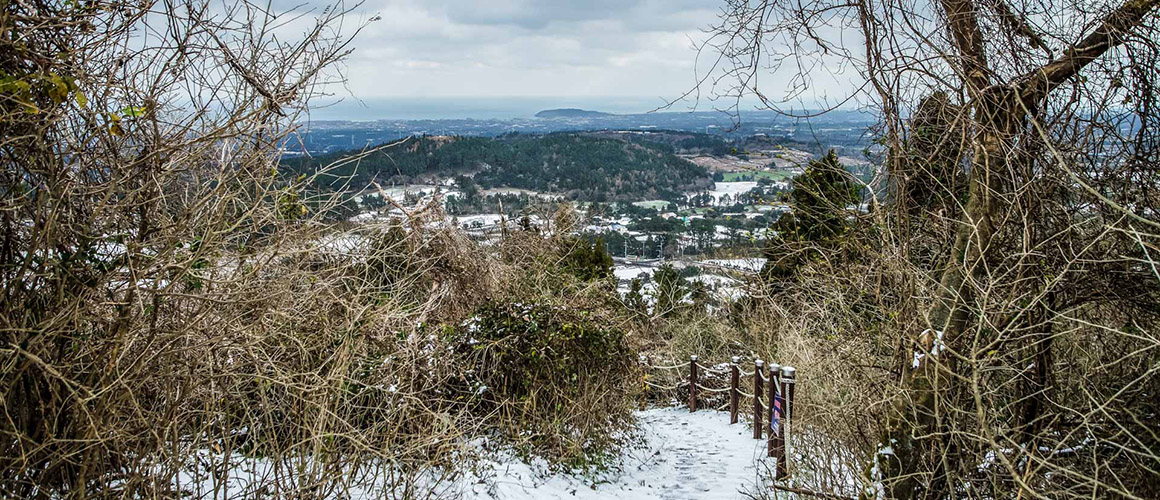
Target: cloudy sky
636, 53
528, 47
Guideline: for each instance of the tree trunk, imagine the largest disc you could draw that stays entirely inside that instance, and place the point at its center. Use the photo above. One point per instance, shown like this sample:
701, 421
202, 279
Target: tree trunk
917, 432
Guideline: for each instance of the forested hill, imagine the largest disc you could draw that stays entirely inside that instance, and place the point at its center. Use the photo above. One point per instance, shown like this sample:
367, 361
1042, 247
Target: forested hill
570, 113
585, 166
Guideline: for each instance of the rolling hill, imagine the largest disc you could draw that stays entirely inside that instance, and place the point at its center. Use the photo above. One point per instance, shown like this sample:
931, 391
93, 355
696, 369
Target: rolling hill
583, 166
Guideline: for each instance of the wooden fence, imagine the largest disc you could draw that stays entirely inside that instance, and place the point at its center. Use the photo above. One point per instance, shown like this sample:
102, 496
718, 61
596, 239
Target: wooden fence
776, 409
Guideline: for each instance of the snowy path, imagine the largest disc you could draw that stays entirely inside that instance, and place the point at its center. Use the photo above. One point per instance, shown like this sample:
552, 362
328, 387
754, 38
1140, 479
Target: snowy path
684, 456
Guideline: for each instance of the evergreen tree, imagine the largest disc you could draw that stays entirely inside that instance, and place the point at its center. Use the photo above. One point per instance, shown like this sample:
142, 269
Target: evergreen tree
819, 202
634, 299
588, 260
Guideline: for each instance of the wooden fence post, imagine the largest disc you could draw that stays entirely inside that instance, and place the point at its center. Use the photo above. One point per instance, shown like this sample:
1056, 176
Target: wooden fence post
757, 398
787, 388
771, 408
734, 390
692, 384
645, 366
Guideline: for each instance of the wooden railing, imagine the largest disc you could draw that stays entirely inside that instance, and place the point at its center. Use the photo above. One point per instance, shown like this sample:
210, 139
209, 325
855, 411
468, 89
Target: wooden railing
776, 409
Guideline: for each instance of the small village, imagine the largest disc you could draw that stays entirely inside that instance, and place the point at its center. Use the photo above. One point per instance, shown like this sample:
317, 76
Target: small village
712, 238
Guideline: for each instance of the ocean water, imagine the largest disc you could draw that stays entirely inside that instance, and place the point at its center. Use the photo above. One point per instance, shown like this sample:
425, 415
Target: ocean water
479, 108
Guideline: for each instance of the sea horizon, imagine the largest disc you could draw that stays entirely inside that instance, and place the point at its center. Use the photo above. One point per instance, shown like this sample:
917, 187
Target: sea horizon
495, 108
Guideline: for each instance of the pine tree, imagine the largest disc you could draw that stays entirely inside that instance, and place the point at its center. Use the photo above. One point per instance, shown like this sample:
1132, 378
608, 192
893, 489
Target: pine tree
634, 299
819, 202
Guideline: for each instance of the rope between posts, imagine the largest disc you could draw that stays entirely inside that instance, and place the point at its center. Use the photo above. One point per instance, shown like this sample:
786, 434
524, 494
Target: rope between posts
682, 365
777, 445
710, 370
665, 387
706, 389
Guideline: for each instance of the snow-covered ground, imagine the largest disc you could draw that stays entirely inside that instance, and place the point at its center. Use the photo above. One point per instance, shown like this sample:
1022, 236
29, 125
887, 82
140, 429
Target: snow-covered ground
630, 271
679, 455
483, 220
682, 456
730, 188
653, 204
399, 193
752, 264
723, 286
518, 191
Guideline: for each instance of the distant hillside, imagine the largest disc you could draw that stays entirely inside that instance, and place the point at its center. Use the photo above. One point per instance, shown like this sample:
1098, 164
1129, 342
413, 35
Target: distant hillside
680, 141
585, 167
570, 113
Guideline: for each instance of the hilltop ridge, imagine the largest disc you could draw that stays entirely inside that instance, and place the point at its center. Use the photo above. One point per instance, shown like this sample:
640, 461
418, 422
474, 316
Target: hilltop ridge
584, 166
571, 113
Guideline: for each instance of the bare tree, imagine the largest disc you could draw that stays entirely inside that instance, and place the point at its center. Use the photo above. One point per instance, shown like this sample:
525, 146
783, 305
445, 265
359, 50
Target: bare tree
140, 192
1017, 140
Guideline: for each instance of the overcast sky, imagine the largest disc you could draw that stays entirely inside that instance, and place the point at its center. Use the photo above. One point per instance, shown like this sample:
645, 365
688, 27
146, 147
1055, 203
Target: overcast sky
530, 48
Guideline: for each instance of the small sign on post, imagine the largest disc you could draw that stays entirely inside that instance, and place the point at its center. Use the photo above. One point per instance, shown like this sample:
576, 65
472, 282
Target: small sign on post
757, 398
734, 390
788, 374
772, 410
692, 384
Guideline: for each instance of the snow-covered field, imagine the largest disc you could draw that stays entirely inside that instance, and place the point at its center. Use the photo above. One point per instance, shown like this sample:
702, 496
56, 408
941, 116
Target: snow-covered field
628, 272
723, 286
483, 220
518, 191
752, 264
399, 193
730, 188
653, 204
682, 456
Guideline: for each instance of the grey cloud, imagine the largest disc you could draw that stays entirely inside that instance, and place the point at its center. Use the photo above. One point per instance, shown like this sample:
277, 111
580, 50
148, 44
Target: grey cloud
429, 48
542, 14
523, 34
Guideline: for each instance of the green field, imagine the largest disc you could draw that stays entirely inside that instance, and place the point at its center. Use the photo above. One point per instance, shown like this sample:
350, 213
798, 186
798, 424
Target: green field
761, 174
